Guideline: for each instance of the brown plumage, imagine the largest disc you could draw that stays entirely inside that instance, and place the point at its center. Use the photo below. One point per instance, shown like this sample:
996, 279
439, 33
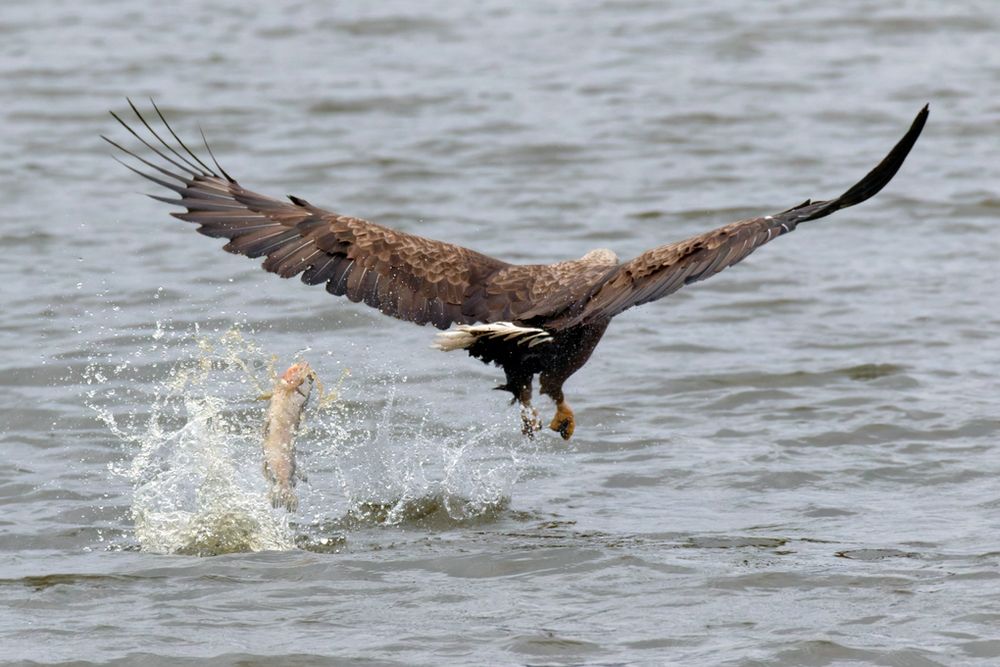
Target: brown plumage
530, 319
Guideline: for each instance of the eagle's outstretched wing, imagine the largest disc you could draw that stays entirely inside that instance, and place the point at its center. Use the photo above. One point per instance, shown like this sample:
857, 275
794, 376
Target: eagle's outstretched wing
663, 270
403, 275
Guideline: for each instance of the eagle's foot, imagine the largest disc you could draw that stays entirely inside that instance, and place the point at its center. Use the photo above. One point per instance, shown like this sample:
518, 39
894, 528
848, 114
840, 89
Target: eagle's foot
530, 423
564, 423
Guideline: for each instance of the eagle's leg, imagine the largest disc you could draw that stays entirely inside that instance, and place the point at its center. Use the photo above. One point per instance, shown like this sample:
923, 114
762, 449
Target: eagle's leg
564, 422
530, 423
521, 388
575, 347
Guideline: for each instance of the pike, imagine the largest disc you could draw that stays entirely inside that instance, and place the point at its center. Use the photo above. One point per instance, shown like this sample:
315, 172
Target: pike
284, 412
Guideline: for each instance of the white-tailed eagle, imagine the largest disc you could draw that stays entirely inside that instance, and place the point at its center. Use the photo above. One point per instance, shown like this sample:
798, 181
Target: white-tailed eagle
542, 319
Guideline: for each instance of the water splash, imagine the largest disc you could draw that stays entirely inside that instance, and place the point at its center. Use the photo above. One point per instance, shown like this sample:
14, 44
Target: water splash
193, 453
194, 469
394, 465
203, 500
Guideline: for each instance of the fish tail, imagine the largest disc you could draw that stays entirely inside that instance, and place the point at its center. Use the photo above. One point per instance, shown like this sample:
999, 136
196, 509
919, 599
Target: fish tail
284, 496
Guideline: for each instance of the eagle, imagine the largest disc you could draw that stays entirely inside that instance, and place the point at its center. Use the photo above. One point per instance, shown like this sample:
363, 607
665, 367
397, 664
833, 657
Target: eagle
528, 319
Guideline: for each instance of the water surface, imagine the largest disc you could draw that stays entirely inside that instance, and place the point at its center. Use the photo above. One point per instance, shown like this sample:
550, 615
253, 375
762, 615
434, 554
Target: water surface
794, 463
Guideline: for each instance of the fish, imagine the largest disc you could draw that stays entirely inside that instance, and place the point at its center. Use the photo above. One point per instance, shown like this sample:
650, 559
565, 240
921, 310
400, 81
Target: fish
284, 413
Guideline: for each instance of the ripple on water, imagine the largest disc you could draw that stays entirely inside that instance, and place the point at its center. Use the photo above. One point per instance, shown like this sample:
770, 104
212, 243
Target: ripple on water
834, 394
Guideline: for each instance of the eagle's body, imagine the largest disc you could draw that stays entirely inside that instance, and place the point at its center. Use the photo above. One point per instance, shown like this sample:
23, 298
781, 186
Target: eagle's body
531, 320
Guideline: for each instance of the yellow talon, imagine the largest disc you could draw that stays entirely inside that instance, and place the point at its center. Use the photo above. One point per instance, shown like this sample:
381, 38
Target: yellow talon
564, 423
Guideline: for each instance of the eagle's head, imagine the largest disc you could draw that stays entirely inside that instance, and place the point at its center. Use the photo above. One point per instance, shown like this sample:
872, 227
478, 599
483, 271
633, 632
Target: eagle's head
600, 256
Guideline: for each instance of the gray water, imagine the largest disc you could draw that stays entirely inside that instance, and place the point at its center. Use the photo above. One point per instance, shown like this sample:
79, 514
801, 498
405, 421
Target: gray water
794, 463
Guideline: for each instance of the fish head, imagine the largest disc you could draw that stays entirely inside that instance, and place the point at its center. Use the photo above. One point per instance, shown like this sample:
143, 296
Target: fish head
297, 374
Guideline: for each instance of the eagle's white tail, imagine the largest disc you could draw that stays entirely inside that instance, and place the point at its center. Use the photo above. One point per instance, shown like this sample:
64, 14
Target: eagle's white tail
463, 336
